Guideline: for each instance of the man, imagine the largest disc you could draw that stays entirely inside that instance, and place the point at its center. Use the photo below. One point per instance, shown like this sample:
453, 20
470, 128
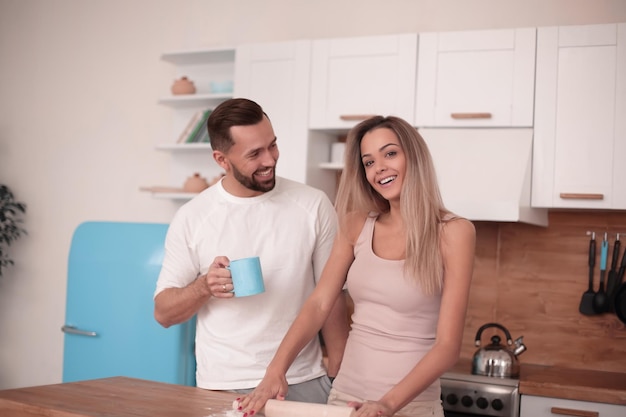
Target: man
250, 212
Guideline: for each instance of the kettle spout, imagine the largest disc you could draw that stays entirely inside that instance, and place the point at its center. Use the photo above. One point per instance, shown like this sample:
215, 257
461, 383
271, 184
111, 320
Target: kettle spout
520, 347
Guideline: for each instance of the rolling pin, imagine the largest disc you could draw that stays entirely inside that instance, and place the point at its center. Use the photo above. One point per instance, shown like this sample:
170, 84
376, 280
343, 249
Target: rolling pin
281, 408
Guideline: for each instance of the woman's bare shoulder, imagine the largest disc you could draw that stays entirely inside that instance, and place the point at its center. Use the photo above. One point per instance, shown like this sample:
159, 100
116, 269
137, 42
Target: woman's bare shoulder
458, 229
353, 224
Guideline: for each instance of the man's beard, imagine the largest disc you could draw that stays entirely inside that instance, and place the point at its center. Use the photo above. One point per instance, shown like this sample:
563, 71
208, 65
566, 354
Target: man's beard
252, 184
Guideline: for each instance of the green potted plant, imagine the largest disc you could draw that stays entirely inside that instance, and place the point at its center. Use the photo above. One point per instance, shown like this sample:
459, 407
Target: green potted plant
10, 224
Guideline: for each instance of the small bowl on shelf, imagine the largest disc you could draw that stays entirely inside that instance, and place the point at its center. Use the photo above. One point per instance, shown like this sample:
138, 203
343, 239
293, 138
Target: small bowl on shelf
221, 86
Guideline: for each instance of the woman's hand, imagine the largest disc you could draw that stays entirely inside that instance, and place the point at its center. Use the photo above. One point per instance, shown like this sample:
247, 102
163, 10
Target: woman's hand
271, 387
370, 409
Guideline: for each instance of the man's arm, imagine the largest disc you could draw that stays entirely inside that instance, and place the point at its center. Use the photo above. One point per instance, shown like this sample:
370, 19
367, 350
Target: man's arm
177, 305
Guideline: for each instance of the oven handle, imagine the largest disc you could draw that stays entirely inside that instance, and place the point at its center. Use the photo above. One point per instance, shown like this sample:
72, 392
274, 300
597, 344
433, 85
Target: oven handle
572, 412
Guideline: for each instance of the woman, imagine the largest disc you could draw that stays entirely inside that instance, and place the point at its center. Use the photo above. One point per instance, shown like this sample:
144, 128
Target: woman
407, 262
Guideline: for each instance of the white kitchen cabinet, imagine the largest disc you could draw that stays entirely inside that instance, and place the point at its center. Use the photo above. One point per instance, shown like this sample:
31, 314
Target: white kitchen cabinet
533, 406
476, 78
277, 77
485, 174
353, 78
580, 123
203, 67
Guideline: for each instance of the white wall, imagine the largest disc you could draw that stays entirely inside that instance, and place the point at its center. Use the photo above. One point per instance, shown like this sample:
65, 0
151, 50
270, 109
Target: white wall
79, 83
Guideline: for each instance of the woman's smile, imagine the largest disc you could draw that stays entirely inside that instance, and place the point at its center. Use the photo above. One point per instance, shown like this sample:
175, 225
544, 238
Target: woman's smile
387, 180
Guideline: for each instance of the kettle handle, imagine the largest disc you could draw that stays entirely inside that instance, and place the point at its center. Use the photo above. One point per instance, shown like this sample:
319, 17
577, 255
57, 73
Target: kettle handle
509, 341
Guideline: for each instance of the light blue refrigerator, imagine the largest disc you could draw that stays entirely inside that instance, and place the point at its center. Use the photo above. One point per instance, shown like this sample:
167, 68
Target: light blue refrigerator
109, 325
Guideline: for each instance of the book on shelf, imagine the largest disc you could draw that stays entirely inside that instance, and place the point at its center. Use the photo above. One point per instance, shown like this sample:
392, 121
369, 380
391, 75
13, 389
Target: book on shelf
193, 122
194, 130
200, 129
203, 135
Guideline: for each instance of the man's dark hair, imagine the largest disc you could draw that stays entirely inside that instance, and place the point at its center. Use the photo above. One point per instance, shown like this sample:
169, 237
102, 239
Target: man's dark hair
233, 112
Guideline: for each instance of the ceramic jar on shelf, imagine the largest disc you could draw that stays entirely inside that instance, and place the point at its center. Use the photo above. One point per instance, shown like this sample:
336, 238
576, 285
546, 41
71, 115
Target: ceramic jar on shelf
195, 184
183, 86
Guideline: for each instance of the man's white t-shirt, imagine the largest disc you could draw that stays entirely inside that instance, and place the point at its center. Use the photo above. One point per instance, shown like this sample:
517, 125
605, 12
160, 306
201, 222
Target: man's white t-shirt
291, 229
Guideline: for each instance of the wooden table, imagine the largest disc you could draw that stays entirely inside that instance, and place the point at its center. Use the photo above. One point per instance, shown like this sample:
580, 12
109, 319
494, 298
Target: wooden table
115, 397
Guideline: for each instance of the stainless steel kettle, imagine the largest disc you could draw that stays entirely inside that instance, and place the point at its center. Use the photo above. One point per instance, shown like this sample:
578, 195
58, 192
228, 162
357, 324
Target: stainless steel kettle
496, 359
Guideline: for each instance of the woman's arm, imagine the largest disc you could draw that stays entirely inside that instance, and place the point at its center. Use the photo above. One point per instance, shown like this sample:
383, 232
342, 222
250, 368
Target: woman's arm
335, 334
457, 245
306, 326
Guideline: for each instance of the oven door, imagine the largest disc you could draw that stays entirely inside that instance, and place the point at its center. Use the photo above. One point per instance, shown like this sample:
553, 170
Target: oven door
464, 398
458, 414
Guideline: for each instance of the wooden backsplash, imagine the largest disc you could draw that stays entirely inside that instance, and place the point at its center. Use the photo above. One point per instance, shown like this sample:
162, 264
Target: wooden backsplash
530, 279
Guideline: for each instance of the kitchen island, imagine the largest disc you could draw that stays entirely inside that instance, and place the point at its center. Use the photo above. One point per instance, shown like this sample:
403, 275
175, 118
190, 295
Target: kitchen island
115, 397
129, 397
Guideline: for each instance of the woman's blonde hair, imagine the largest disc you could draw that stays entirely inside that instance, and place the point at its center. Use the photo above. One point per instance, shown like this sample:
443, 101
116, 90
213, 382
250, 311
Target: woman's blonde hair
421, 205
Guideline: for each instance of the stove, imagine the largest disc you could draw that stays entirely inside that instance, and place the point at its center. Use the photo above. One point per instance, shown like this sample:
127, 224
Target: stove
464, 394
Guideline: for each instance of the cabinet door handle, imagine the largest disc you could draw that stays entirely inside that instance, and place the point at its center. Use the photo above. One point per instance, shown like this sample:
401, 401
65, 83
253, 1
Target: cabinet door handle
470, 115
581, 196
572, 412
355, 117
75, 330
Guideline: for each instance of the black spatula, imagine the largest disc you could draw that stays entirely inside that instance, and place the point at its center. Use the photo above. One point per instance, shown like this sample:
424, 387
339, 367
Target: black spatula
612, 281
621, 288
586, 302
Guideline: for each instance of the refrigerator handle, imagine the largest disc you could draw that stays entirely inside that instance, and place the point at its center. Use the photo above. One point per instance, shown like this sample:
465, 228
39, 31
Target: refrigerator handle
74, 330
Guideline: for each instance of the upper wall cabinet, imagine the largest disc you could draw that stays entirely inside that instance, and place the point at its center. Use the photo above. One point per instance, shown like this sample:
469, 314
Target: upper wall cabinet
476, 78
580, 123
353, 78
277, 77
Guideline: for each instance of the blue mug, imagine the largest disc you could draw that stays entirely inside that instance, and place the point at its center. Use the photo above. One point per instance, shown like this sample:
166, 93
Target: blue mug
247, 276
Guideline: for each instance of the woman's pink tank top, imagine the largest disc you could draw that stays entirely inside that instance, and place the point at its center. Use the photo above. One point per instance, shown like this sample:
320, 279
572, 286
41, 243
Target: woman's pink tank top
393, 325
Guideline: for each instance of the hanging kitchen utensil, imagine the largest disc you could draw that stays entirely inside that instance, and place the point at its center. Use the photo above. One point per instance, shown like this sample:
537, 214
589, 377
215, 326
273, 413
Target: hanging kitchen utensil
620, 303
611, 283
586, 302
620, 297
620, 276
600, 300
496, 359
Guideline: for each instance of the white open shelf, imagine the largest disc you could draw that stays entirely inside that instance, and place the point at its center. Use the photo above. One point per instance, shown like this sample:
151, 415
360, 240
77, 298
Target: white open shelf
170, 193
338, 166
206, 100
184, 147
200, 56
